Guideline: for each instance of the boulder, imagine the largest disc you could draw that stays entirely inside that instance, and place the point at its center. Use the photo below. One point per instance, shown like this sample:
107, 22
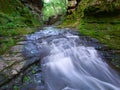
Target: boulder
11, 63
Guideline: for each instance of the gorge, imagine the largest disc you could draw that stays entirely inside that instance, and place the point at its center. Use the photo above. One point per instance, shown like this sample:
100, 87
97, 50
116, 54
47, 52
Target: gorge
75, 46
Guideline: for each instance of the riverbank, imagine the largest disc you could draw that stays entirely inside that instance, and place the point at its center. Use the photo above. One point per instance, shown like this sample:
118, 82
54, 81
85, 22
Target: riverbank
94, 19
16, 20
105, 30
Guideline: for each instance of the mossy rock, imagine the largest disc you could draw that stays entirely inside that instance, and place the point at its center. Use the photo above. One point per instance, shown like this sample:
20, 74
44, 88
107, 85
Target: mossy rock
91, 7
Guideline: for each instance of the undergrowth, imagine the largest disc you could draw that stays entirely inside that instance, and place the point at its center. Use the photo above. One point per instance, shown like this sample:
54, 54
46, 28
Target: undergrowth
15, 20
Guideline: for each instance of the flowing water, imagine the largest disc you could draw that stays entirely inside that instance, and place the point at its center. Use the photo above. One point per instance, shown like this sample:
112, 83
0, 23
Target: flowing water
70, 62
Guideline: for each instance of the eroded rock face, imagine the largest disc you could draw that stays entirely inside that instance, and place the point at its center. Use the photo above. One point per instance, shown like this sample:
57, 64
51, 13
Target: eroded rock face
71, 6
72, 3
91, 7
35, 6
19, 71
12, 63
35, 3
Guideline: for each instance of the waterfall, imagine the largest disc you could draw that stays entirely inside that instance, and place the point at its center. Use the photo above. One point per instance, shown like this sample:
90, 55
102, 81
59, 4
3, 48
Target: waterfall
70, 62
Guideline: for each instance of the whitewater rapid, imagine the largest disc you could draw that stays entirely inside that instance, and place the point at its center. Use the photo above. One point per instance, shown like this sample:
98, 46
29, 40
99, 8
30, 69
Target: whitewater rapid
70, 62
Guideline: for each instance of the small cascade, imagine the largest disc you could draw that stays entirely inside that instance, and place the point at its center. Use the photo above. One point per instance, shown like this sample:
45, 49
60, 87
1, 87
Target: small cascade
70, 61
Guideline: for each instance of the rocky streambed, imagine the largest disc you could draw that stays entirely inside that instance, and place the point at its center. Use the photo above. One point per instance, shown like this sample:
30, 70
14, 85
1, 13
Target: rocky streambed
20, 67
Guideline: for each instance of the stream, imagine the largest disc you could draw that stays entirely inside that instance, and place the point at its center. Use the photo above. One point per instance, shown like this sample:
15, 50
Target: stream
70, 61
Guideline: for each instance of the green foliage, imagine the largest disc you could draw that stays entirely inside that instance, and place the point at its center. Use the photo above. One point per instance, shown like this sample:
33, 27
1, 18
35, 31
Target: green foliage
15, 19
14, 14
15, 87
6, 43
33, 71
9, 38
53, 8
83, 5
26, 79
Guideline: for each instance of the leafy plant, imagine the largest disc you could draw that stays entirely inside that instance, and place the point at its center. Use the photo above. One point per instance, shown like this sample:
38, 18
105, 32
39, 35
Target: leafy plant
15, 87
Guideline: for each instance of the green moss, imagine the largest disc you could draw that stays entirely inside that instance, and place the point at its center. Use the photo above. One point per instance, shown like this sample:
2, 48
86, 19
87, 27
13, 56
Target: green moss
10, 37
15, 87
98, 19
106, 30
26, 79
10, 6
90, 7
106, 33
5, 43
15, 20
13, 13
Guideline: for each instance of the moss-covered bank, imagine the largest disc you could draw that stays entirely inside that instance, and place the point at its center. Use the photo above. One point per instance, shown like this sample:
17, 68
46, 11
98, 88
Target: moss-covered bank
99, 19
15, 20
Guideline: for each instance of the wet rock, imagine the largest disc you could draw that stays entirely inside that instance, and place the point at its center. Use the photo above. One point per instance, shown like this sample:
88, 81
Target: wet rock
11, 63
24, 71
28, 79
21, 43
2, 77
19, 66
14, 72
17, 49
2, 64
33, 87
